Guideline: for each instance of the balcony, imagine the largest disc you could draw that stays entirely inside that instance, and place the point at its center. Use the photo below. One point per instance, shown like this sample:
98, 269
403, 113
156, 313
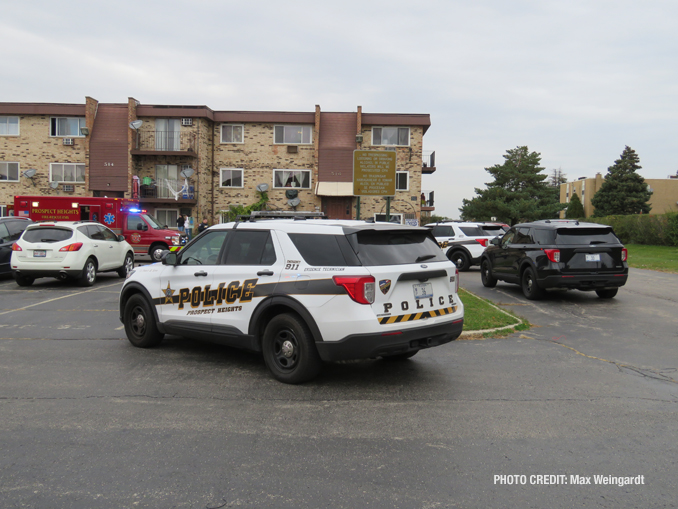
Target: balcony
162, 191
428, 162
153, 143
427, 203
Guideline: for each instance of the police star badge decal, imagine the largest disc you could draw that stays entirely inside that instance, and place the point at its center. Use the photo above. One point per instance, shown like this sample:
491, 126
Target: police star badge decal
168, 294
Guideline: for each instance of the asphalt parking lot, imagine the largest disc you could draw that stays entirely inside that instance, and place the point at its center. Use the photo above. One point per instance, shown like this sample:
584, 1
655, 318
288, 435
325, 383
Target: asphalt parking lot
87, 420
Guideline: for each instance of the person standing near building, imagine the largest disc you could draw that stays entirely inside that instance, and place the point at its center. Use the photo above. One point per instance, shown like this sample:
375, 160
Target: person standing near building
180, 223
203, 226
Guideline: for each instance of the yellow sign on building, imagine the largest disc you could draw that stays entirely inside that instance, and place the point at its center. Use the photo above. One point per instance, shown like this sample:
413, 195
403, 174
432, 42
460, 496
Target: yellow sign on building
374, 172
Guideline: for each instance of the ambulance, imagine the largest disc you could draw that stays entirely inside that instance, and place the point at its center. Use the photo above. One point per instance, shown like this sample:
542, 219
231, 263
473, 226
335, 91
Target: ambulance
122, 215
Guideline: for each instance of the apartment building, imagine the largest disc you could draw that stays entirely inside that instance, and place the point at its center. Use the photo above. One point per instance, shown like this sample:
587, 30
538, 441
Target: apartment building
664, 193
195, 161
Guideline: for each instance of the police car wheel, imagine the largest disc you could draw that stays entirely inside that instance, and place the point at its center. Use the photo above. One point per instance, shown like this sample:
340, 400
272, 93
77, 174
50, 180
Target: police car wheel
289, 350
607, 294
461, 260
127, 266
140, 326
529, 285
486, 276
89, 273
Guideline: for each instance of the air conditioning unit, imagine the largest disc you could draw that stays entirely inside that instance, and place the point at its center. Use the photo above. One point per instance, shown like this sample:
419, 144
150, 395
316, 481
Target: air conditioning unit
68, 188
68, 141
292, 149
186, 121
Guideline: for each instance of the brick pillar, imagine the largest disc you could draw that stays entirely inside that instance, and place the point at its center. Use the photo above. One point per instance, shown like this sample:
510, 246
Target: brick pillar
90, 116
132, 104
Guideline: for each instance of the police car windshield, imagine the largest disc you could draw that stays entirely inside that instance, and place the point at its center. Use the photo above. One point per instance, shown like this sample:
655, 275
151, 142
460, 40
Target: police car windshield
152, 221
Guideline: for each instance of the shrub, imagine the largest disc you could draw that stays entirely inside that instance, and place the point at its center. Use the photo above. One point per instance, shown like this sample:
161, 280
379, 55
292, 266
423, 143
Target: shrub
654, 230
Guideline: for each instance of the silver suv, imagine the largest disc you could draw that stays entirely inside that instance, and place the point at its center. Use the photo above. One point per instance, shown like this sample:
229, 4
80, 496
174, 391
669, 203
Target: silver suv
464, 242
301, 292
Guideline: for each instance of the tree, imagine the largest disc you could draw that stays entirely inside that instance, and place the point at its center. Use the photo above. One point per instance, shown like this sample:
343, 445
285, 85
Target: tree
575, 209
557, 177
519, 191
623, 191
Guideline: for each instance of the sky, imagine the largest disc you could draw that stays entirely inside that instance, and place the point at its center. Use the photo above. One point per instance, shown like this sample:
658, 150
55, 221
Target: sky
575, 80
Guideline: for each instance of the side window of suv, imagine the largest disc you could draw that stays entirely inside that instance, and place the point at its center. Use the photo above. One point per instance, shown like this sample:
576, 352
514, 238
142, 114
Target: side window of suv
443, 231
250, 248
508, 238
16, 228
523, 236
205, 250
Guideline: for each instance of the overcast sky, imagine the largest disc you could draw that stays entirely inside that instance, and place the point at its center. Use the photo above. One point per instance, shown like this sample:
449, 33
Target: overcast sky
574, 80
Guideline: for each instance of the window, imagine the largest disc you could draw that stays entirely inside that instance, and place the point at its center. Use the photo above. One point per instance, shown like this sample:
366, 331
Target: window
292, 178
167, 216
134, 222
205, 250
66, 172
3, 211
523, 236
250, 248
231, 177
9, 172
293, 134
324, 250
232, 133
9, 126
402, 181
395, 218
443, 231
472, 231
168, 134
376, 248
395, 136
68, 127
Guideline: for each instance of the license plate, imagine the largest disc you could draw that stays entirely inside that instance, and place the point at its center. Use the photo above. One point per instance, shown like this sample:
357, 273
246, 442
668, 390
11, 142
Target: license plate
592, 257
423, 290
39, 254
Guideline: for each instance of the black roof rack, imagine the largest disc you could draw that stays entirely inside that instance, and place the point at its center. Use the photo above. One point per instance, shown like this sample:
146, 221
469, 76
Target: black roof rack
280, 214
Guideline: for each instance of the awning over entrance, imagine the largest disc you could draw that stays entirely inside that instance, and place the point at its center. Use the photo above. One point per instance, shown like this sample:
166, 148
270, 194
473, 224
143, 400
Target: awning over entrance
334, 188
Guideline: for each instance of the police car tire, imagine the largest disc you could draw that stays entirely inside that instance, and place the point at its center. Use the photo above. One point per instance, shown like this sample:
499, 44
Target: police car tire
488, 280
140, 326
89, 273
127, 266
289, 350
461, 260
608, 293
529, 285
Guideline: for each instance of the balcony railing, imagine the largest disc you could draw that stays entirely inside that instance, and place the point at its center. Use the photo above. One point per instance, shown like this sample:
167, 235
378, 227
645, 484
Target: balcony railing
166, 141
165, 188
428, 162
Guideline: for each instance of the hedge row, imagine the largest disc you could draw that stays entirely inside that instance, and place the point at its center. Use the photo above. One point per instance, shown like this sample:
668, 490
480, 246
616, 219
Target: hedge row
659, 230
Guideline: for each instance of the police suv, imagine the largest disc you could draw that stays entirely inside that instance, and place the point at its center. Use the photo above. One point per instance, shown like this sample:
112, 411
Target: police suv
464, 242
301, 292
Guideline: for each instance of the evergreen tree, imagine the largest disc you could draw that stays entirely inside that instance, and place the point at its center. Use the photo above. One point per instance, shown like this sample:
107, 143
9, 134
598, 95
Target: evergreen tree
623, 191
520, 191
575, 209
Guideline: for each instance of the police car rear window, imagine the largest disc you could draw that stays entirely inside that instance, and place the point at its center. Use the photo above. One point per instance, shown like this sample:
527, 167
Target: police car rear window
585, 236
375, 248
47, 234
473, 231
324, 250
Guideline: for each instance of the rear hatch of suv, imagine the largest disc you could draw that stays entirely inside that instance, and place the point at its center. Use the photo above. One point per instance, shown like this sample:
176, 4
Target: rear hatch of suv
414, 279
45, 244
585, 250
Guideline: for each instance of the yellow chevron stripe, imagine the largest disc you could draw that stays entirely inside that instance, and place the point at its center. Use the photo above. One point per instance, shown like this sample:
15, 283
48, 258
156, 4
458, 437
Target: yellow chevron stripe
387, 320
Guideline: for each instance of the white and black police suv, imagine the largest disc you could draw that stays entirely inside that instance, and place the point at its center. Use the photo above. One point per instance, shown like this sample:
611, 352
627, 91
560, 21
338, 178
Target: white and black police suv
301, 292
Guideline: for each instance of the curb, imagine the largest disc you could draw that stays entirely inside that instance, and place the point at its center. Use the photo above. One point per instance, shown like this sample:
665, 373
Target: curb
474, 333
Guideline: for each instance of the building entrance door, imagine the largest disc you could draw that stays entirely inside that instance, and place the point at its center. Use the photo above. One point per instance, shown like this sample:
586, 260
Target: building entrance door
338, 207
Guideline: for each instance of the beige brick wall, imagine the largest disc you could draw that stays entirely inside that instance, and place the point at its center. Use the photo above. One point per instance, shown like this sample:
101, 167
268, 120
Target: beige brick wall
34, 148
258, 157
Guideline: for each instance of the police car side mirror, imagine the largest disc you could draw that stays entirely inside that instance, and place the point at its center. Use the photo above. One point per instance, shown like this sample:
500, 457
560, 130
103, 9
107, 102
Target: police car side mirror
169, 258
495, 241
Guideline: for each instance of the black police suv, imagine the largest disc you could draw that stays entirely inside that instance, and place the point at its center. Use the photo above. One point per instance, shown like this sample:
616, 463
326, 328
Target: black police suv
557, 254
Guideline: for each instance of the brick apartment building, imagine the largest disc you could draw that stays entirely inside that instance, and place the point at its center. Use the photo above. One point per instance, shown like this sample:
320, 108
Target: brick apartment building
139, 151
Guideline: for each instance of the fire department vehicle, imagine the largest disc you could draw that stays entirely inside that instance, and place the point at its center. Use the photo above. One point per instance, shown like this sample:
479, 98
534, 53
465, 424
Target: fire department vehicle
121, 215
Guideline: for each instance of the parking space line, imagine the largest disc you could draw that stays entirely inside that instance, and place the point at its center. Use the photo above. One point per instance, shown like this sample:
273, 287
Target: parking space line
57, 298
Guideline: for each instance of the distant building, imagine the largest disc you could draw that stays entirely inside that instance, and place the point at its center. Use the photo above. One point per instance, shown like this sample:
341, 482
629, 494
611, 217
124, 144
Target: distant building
664, 193
139, 151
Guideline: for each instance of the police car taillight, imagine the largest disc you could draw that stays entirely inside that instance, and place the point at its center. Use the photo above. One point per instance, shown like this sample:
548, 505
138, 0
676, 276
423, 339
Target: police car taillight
625, 254
72, 247
361, 289
482, 242
553, 255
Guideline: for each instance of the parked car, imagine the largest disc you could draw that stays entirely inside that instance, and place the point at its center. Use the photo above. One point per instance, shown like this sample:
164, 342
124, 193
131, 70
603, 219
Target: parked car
11, 229
68, 249
300, 292
557, 254
464, 241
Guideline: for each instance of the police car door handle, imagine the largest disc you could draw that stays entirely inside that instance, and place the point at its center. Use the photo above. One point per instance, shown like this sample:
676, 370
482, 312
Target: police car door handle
265, 273
201, 273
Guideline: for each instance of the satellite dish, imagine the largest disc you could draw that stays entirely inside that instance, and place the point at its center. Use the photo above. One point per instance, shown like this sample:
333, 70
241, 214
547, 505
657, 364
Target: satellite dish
262, 188
291, 193
294, 202
29, 173
54, 184
136, 124
187, 172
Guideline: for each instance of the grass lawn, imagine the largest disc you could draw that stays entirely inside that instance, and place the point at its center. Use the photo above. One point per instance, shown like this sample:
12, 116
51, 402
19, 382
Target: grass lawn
480, 314
662, 258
